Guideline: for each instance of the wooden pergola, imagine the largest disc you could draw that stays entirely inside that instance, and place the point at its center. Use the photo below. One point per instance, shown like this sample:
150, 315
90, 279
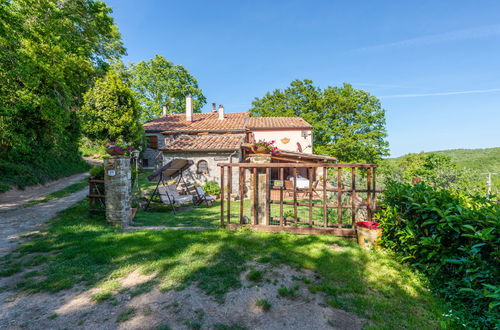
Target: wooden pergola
329, 195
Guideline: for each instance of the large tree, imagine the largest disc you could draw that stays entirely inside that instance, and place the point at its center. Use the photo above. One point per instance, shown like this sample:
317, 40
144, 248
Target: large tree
50, 52
160, 82
110, 111
348, 123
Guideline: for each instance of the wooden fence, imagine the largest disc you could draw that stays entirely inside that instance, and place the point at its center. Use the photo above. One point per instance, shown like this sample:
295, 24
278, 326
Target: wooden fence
327, 191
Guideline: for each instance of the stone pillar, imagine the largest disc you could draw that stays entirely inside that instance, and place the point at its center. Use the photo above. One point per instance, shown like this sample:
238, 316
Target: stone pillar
263, 203
117, 179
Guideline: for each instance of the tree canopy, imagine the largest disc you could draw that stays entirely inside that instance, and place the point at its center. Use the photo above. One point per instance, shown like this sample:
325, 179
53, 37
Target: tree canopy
348, 123
110, 111
50, 52
160, 82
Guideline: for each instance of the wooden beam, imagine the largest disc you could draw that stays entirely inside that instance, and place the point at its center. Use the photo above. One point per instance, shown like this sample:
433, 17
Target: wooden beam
353, 193
300, 165
268, 195
343, 232
369, 193
295, 194
310, 195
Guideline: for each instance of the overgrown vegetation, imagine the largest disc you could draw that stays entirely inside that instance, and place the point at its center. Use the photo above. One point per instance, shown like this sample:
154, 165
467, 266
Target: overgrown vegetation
45, 67
81, 249
211, 188
454, 239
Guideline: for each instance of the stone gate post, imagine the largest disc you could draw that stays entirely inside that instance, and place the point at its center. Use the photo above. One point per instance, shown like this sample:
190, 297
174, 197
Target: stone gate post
117, 178
263, 216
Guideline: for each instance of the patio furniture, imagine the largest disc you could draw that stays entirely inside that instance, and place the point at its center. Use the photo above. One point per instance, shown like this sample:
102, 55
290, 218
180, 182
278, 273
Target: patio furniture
203, 197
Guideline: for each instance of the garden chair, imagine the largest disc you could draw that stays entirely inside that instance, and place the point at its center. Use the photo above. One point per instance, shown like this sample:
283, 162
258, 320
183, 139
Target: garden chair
202, 197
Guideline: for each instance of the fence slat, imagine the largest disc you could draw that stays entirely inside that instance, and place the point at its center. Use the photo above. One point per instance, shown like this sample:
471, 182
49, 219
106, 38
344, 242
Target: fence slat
325, 211
282, 223
242, 192
310, 170
295, 194
222, 196
339, 197
229, 189
369, 193
254, 187
353, 195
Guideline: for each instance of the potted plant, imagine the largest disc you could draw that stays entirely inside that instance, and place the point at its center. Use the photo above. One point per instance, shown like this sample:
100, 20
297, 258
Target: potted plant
264, 147
135, 205
119, 148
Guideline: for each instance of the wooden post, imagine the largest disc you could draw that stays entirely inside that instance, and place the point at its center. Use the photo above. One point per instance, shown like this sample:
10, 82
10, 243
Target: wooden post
353, 194
368, 194
325, 213
229, 189
242, 192
310, 170
295, 194
254, 187
222, 196
339, 197
282, 221
374, 189
267, 216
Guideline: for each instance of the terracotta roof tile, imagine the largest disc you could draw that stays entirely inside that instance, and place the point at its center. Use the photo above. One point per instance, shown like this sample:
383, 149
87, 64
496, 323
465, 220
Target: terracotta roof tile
209, 122
277, 122
201, 122
209, 142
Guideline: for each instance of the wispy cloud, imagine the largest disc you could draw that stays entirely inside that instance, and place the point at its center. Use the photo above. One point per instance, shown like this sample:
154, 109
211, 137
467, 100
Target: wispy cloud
465, 34
474, 91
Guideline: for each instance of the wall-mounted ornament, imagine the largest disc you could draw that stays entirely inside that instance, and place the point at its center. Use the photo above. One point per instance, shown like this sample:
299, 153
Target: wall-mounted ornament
285, 140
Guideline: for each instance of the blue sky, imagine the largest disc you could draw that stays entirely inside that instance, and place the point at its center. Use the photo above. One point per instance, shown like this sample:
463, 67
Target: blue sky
435, 65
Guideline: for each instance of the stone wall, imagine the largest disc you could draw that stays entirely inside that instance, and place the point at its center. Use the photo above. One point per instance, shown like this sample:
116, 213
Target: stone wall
117, 179
154, 155
212, 158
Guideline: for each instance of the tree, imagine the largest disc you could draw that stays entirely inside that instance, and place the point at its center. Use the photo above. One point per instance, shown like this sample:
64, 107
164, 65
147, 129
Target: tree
348, 123
110, 111
50, 52
158, 82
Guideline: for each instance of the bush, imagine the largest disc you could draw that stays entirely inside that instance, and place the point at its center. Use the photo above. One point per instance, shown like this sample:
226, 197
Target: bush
97, 172
451, 237
211, 188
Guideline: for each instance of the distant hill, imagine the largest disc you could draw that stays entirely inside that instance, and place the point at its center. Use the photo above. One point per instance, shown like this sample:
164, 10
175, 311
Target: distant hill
477, 160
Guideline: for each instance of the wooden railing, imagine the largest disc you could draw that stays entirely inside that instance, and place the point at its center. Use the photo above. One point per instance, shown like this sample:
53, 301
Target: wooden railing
330, 194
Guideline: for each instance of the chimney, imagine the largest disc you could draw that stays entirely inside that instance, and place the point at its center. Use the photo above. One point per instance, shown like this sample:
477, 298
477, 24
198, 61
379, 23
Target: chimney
189, 108
214, 109
164, 108
221, 112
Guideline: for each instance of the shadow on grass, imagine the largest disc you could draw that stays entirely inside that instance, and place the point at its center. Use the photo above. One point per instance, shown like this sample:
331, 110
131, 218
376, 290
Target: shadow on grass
87, 251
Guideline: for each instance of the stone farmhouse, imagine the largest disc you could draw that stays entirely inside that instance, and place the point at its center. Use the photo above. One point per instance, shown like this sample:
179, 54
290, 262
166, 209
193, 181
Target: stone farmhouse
219, 137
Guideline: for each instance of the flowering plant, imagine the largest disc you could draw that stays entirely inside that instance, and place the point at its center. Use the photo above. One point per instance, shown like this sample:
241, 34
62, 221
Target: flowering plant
119, 148
264, 145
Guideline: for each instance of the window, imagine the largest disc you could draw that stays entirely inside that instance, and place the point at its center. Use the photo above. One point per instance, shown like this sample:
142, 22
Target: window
145, 162
152, 142
202, 167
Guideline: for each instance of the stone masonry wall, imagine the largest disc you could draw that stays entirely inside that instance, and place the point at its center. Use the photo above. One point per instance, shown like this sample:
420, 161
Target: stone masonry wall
212, 158
117, 179
154, 155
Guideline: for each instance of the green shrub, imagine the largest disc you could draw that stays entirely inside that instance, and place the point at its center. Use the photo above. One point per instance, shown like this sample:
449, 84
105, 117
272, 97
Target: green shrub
97, 172
451, 237
211, 188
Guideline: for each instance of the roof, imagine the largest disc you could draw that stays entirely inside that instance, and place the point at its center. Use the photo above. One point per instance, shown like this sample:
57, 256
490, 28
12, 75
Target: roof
202, 122
277, 122
209, 142
236, 122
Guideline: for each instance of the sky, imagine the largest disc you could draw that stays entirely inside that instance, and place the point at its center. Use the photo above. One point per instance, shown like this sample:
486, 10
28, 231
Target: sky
434, 65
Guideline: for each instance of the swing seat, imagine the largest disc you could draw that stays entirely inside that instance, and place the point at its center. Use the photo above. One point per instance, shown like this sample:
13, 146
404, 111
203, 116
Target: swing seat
169, 195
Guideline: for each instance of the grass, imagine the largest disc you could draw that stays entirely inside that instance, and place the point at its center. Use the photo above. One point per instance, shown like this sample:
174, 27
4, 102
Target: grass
254, 276
60, 193
263, 304
85, 250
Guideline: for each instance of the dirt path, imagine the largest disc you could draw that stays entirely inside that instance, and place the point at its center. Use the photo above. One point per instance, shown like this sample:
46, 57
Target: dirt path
15, 198
21, 221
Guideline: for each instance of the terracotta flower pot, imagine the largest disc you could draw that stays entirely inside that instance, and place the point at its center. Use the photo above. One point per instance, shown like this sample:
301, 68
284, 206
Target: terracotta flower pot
113, 152
260, 150
134, 211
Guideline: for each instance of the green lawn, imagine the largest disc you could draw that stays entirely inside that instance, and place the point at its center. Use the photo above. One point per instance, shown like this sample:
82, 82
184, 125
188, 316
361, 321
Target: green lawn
79, 249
